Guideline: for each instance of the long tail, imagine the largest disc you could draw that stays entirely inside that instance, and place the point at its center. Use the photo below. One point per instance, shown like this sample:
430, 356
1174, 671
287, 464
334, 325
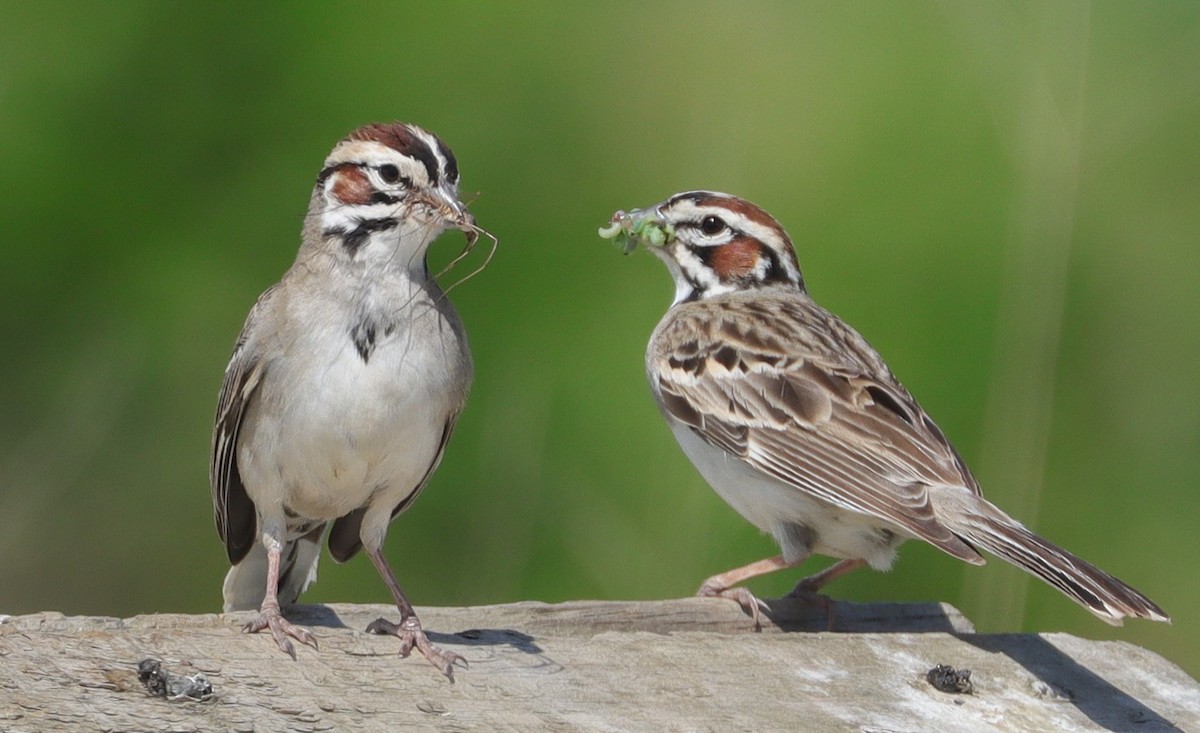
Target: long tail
246, 583
1089, 586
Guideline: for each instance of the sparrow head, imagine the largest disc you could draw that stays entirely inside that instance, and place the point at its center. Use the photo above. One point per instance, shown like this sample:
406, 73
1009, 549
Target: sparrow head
712, 243
394, 185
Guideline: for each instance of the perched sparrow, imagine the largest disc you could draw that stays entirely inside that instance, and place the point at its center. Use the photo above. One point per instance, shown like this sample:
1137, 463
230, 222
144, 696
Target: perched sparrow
345, 382
800, 426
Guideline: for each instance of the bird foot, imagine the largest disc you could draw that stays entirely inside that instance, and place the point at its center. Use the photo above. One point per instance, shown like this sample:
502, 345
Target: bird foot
744, 598
269, 617
412, 636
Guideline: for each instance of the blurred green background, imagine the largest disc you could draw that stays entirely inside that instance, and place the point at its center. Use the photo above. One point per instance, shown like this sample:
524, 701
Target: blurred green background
1003, 197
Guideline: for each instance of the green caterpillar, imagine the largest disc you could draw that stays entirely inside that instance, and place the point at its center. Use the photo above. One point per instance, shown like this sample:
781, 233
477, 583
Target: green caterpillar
629, 231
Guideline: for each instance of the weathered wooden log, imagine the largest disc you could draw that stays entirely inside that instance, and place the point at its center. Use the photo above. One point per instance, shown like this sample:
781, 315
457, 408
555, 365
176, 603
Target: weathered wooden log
680, 665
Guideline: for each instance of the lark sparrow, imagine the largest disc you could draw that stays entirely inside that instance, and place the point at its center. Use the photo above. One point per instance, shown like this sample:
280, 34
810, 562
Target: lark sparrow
800, 426
345, 383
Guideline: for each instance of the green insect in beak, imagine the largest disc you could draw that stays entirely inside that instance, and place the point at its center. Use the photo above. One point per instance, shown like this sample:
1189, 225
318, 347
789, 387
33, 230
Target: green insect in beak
637, 227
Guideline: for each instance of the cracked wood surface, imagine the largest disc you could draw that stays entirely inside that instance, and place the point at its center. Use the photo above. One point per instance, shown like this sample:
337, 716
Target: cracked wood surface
680, 665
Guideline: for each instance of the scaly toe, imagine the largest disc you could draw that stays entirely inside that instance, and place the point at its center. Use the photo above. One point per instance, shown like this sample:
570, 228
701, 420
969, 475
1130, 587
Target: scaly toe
440, 658
281, 629
413, 637
744, 598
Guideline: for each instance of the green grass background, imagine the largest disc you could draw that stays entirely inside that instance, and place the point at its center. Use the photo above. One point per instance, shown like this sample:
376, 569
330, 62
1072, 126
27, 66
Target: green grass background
1003, 197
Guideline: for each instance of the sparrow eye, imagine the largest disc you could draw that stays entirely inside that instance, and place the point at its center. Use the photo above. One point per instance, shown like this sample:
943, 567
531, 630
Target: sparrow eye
711, 225
389, 173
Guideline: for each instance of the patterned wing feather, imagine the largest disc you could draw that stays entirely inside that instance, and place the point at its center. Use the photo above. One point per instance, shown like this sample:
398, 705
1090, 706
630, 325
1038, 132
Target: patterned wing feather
810, 404
233, 510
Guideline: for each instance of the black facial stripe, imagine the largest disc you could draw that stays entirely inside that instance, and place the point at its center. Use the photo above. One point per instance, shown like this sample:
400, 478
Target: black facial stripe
693, 196
691, 224
379, 197
451, 162
731, 232
419, 150
422, 152
773, 273
329, 171
696, 289
354, 238
705, 254
775, 269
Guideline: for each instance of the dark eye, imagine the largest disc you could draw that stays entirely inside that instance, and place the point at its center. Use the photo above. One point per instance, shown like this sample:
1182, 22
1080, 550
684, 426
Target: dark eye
389, 173
711, 225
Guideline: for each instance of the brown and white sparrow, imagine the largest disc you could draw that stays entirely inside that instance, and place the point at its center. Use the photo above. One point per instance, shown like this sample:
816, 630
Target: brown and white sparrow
800, 426
345, 382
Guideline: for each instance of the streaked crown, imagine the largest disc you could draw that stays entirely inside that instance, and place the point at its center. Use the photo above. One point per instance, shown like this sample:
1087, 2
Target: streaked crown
381, 175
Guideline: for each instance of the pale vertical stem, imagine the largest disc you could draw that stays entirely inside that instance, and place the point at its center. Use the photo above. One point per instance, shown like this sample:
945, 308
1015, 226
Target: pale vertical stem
1046, 102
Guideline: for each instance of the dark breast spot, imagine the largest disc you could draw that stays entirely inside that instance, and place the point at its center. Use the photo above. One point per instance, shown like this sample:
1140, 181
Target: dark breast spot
363, 336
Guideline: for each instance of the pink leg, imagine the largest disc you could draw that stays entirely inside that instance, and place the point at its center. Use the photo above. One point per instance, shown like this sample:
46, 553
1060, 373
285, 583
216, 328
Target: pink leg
269, 616
722, 585
817, 581
409, 629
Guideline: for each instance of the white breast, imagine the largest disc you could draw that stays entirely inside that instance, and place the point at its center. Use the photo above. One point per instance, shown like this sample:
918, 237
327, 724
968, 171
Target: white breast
772, 505
343, 431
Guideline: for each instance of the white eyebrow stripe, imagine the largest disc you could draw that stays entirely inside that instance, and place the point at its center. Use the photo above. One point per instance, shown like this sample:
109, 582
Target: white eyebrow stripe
765, 234
688, 209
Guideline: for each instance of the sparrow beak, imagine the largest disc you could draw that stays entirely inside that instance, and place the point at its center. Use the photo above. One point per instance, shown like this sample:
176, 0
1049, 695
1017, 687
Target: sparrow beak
452, 211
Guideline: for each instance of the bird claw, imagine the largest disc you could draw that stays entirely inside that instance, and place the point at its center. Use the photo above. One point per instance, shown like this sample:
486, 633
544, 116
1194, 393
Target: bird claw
270, 618
744, 598
412, 636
